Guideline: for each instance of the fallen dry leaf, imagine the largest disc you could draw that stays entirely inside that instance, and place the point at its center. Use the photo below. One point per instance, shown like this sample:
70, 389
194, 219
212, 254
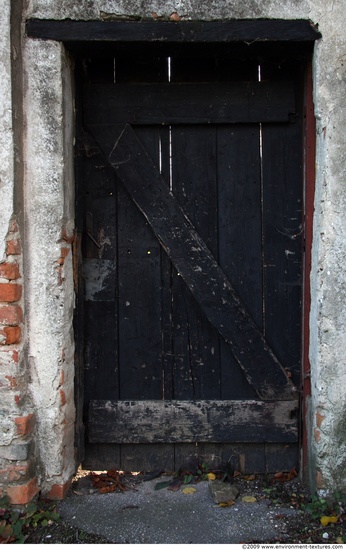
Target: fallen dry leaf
108, 482
249, 499
325, 520
211, 476
189, 490
285, 476
226, 504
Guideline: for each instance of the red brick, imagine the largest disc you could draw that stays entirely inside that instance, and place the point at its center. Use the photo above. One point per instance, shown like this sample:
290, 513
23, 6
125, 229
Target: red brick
13, 247
14, 228
317, 435
62, 398
12, 381
9, 271
68, 238
11, 315
18, 400
25, 424
13, 335
13, 473
319, 480
319, 419
22, 494
10, 292
59, 491
64, 252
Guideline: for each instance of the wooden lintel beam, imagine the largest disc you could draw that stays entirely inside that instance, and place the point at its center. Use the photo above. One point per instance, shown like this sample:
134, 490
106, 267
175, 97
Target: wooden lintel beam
245, 30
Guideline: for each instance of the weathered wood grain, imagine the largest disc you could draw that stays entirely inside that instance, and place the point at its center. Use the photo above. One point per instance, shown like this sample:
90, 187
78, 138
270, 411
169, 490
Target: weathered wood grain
196, 265
189, 103
164, 31
192, 421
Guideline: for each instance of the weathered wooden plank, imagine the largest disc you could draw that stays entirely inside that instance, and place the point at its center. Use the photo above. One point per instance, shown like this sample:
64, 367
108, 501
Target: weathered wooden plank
163, 31
166, 281
100, 351
192, 421
282, 239
102, 456
197, 266
196, 341
96, 188
143, 457
248, 458
240, 234
173, 103
139, 296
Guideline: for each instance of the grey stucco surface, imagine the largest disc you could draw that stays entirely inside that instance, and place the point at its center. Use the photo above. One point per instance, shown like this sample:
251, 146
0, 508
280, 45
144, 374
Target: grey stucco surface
6, 137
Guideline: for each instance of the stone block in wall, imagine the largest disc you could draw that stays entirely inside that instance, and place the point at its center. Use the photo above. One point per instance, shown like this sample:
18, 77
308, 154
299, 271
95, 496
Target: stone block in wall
17, 450
8, 429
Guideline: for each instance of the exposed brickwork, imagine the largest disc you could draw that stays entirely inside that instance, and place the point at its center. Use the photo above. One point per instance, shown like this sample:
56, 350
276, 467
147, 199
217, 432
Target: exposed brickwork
16, 451
14, 473
10, 292
11, 315
59, 491
60, 261
13, 247
23, 493
13, 335
9, 271
25, 424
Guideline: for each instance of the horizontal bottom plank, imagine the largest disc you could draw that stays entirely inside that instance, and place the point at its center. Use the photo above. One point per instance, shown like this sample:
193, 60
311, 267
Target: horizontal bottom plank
193, 421
247, 458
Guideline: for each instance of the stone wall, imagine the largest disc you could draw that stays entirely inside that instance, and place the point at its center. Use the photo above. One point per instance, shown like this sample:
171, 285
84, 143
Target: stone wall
36, 337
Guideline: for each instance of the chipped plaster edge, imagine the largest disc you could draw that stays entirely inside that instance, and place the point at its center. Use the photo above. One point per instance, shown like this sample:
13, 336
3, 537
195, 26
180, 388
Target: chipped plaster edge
49, 207
6, 133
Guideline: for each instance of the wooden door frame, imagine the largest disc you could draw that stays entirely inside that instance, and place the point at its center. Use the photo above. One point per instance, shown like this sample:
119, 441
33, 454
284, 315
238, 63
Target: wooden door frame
78, 36
309, 197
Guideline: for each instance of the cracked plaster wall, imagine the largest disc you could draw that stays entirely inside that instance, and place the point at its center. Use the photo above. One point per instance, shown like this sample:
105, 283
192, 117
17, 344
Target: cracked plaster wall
49, 207
6, 137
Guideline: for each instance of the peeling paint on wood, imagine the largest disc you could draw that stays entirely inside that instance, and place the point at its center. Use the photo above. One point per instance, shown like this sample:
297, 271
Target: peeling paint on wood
192, 421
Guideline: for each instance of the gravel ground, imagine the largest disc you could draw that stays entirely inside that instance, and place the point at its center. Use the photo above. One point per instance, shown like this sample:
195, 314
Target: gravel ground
300, 527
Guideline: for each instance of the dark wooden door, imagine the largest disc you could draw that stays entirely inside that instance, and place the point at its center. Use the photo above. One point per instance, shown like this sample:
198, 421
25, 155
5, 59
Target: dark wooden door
190, 195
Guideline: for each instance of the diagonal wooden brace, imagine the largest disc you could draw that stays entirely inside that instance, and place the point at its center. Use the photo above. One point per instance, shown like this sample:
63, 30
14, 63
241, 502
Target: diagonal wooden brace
196, 265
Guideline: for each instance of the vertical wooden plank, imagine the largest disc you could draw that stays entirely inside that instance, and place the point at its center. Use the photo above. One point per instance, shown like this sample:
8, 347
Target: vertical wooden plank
239, 225
140, 67
282, 237
139, 298
147, 457
99, 274
309, 191
281, 457
166, 281
102, 456
158, 308
99, 70
196, 342
248, 458
193, 68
